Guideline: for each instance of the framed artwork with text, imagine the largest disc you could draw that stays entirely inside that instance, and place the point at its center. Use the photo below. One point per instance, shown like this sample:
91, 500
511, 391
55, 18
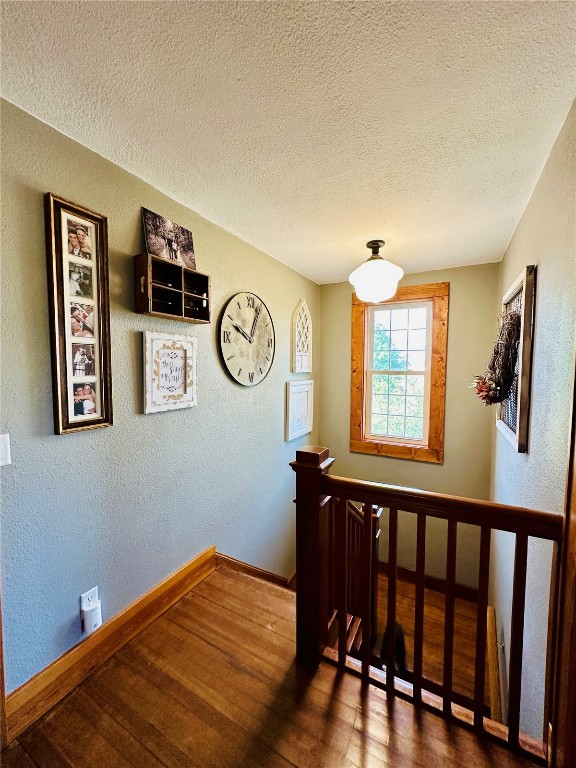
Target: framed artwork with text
169, 372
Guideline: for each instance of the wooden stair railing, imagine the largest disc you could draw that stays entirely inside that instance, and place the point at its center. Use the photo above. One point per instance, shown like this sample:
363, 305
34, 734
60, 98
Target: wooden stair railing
336, 558
348, 593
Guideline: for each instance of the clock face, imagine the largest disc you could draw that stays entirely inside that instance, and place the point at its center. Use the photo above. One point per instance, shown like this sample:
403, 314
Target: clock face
247, 339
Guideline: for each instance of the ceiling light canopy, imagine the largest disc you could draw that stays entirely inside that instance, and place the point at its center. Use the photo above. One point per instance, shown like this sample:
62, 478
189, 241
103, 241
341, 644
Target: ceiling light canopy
376, 279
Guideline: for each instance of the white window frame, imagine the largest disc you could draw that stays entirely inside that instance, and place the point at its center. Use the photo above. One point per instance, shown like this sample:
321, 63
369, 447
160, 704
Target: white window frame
371, 372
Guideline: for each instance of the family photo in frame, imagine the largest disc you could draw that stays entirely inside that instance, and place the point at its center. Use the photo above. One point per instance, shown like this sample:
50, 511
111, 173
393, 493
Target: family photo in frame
168, 240
77, 253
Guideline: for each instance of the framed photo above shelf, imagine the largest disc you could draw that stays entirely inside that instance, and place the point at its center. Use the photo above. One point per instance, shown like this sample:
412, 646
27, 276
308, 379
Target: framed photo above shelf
169, 372
168, 240
77, 255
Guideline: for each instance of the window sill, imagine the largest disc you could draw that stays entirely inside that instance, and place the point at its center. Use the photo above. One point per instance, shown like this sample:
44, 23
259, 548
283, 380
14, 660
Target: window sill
398, 450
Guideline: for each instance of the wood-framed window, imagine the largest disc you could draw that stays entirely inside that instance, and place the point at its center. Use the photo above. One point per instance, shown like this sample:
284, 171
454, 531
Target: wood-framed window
398, 377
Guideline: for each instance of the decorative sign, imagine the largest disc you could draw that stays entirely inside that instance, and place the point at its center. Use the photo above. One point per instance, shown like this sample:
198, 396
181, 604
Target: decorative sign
169, 372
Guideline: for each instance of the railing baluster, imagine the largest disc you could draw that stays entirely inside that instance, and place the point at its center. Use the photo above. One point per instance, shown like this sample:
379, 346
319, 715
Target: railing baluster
342, 576
481, 627
376, 511
517, 638
419, 606
391, 612
449, 616
366, 580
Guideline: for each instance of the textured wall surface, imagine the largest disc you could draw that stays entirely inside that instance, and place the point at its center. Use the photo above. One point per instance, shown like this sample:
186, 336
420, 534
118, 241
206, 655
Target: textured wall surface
466, 469
123, 507
546, 236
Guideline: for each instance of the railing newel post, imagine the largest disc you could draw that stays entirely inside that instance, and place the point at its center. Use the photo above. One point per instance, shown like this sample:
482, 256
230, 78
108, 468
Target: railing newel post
312, 462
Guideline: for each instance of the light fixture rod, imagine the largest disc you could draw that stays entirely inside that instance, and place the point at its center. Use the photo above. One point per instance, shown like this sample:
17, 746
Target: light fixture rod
375, 246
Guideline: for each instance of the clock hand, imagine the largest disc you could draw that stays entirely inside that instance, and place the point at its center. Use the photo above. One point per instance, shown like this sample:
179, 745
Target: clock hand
257, 315
242, 331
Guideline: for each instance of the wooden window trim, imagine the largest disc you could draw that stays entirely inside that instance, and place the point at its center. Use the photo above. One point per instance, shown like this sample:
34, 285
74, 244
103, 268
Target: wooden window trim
433, 452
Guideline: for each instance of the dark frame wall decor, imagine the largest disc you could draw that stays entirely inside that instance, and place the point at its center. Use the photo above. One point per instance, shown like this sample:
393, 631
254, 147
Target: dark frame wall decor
77, 258
512, 415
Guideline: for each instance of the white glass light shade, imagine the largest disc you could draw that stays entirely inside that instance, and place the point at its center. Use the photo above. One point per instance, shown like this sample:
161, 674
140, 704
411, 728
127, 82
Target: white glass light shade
376, 279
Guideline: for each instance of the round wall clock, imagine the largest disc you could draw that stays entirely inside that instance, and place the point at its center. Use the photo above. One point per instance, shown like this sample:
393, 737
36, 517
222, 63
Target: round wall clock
247, 339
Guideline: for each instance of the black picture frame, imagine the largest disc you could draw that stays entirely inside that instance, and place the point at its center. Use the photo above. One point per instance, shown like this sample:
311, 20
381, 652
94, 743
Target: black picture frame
512, 415
77, 261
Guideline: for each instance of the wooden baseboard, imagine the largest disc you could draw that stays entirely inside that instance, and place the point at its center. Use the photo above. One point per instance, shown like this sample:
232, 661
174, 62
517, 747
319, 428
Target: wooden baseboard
432, 582
251, 570
33, 699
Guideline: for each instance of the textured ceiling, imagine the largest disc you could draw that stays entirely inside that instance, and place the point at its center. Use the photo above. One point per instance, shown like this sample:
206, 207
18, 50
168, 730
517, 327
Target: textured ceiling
307, 128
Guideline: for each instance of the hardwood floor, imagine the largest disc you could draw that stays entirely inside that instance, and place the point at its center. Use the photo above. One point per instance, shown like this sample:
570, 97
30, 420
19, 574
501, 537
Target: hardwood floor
213, 684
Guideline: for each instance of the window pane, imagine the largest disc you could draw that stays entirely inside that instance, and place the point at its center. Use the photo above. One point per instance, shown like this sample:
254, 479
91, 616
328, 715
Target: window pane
399, 339
417, 340
397, 361
397, 405
414, 428
415, 385
399, 319
379, 425
379, 385
415, 406
397, 385
382, 319
380, 404
417, 318
396, 426
381, 339
381, 361
416, 361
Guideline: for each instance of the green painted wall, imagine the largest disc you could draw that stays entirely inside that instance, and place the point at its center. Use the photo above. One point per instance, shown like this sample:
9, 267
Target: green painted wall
124, 507
545, 236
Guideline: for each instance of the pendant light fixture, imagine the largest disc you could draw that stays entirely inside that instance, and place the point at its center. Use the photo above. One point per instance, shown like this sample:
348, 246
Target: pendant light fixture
377, 279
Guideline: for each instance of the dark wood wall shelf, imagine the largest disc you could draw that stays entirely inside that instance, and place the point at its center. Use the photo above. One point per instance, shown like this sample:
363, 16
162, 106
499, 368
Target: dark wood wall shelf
168, 289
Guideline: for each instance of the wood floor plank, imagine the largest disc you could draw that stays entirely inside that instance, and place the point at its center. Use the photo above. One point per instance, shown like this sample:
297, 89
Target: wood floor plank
14, 756
294, 724
80, 733
178, 727
275, 610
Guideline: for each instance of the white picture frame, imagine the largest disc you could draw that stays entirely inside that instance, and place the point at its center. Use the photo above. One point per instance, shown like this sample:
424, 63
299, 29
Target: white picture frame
301, 339
169, 372
299, 408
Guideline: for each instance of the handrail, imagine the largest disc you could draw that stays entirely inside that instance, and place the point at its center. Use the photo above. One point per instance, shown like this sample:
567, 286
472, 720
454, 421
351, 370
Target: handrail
332, 548
531, 522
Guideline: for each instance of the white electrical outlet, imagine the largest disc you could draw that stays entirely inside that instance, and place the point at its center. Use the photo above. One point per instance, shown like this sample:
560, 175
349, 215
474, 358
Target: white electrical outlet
89, 599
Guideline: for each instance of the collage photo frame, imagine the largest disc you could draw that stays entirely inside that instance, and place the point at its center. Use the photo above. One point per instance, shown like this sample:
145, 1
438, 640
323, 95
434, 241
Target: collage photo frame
77, 253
